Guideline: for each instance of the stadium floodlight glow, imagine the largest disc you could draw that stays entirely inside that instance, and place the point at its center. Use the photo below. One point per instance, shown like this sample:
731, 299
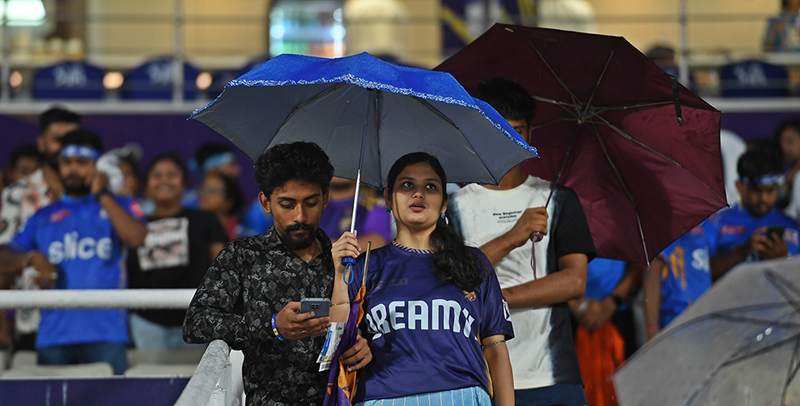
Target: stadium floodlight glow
23, 13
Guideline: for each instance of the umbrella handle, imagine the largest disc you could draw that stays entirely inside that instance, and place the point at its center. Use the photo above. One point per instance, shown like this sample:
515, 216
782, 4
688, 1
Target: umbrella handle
349, 264
535, 237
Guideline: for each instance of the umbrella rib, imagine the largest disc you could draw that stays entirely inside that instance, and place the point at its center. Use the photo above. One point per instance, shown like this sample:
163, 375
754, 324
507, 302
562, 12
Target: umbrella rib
560, 119
561, 82
561, 104
597, 85
792, 373
632, 106
627, 191
781, 284
749, 320
647, 147
758, 351
301, 105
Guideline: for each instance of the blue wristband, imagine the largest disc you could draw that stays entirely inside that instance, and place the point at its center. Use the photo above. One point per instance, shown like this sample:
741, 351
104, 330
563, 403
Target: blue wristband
275, 328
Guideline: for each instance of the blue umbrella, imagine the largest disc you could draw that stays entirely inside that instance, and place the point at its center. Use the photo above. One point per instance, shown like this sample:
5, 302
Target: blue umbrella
365, 113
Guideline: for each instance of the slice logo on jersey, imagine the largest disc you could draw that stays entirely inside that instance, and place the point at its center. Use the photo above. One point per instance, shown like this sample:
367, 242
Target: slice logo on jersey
440, 314
729, 229
74, 247
506, 310
471, 296
59, 215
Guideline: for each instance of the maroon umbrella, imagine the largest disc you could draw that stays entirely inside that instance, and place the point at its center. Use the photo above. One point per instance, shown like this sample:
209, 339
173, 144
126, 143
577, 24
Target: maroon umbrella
640, 150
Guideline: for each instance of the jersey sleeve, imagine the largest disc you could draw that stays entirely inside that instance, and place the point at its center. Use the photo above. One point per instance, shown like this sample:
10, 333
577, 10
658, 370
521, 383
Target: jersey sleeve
572, 232
25, 239
132, 206
496, 316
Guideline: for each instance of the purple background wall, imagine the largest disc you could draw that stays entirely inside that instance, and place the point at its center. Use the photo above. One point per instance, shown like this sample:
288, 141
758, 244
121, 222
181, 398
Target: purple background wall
155, 133
161, 133
99, 391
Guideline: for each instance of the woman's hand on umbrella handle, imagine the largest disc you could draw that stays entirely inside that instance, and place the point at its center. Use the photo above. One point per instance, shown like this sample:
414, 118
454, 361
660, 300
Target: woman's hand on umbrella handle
345, 246
357, 356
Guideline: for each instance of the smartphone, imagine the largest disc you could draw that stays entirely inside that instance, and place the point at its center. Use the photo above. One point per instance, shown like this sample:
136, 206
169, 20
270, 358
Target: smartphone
776, 230
319, 306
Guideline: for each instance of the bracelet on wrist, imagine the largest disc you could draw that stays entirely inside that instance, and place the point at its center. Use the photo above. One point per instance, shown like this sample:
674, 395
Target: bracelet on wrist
275, 328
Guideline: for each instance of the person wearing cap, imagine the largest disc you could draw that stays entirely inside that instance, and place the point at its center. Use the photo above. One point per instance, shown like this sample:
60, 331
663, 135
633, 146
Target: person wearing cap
753, 229
79, 242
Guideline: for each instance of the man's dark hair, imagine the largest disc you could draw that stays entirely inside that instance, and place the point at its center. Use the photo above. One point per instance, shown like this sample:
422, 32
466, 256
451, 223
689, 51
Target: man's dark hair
57, 115
166, 156
758, 161
793, 122
509, 98
208, 150
23, 151
82, 137
303, 161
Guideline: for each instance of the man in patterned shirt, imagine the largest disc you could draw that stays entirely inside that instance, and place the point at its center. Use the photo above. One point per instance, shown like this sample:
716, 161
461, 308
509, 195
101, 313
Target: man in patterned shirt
250, 295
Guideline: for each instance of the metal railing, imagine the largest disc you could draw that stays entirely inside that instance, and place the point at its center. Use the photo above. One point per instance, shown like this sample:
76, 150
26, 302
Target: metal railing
212, 382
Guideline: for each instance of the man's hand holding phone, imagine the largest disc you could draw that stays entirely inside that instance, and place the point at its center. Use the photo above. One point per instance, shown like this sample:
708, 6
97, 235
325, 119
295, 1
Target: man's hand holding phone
295, 325
772, 244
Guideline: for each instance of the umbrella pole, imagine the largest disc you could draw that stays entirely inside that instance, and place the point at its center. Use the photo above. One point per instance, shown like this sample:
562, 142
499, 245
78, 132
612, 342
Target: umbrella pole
349, 262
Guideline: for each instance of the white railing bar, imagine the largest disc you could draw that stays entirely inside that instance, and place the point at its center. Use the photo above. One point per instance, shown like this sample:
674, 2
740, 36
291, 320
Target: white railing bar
96, 299
204, 381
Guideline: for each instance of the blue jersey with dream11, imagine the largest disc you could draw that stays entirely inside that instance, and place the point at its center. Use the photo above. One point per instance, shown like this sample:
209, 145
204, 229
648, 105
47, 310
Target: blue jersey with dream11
423, 335
77, 237
731, 228
686, 275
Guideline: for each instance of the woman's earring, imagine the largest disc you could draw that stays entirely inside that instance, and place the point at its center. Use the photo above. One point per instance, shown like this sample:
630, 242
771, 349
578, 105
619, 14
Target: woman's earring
442, 216
388, 209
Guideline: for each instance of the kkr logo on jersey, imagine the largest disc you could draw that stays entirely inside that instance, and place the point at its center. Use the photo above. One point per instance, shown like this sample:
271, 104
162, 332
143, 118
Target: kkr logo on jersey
74, 247
441, 314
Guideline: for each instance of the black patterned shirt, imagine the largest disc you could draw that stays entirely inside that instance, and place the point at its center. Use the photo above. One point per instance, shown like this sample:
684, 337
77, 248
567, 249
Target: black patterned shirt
251, 279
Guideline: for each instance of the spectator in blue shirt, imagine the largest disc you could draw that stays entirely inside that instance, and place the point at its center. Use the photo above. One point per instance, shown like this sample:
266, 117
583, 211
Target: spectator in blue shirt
753, 229
79, 243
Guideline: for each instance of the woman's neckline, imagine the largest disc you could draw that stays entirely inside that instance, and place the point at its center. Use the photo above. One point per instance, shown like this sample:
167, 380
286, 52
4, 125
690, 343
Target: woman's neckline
411, 250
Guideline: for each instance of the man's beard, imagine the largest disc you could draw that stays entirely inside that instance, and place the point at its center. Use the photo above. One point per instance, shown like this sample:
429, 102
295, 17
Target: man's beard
75, 186
298, 243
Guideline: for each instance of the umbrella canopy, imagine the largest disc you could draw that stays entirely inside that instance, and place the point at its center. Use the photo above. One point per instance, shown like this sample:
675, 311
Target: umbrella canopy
739, 344
345, 103
640, 150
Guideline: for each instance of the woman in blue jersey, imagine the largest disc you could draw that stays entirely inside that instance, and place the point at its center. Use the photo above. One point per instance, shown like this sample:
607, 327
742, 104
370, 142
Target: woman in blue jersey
435, 317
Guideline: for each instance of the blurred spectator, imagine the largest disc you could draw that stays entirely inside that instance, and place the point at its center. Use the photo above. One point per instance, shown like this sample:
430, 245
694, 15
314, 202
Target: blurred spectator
753, 229
731, 148
676, 279
787, 133
222, 196
664, 57
181, 243
604, 337
23, 198
570, 15
211, 157
255, 220
22, 161
372, 219
783, 32
84, 237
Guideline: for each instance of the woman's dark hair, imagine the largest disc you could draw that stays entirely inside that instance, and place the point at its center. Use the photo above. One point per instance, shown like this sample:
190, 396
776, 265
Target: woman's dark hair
233, 193
303, 161
167, 156
453, 261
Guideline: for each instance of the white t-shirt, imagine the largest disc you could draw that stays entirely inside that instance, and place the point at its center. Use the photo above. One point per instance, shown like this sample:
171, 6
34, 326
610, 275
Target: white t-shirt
543, 352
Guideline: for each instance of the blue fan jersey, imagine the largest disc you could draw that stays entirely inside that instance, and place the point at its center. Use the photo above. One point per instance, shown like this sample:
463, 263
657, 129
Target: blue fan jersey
731, 228
77, 237
686, 276
424, 334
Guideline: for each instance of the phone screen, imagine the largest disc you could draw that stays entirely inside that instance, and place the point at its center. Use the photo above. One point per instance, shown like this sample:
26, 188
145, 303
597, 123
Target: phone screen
775, 230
